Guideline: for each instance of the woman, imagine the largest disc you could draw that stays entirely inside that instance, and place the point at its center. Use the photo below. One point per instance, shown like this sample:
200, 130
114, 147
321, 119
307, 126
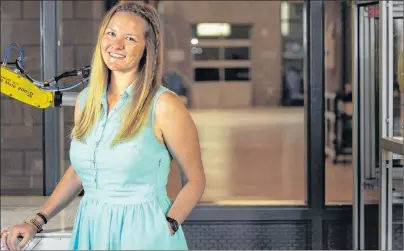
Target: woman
127, 129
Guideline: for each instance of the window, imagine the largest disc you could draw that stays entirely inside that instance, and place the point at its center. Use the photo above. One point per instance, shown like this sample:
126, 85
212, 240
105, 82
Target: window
237, 74
206, 53
239, 32
221, 31
221, 52
292, 11
237, 53
217, 53
292, 29
206, 74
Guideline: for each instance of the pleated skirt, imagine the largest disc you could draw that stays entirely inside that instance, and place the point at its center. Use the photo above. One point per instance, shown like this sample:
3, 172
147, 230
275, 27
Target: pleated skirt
124, 224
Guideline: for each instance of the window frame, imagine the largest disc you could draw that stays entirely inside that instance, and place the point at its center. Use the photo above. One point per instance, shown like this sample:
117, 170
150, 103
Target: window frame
222, 63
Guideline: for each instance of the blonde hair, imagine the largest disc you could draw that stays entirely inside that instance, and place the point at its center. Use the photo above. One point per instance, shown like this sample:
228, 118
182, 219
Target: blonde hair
149, 78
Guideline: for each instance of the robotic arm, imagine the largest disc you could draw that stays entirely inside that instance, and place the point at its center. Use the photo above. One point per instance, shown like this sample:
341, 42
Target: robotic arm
17, 83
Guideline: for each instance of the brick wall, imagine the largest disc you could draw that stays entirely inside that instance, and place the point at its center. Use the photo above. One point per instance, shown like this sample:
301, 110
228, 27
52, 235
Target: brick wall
21, 125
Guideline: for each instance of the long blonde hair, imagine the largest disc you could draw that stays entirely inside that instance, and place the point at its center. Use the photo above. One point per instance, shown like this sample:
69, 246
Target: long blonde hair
149, 79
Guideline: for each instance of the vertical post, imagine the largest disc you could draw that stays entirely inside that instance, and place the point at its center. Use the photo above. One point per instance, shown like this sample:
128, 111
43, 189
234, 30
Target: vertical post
343, 41
386, 123
314, 116
400, 73
53, 147
390, 118
371, 136
358, 237
364, 92
382, 158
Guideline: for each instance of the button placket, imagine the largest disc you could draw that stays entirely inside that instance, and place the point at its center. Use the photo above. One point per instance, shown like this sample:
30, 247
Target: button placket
96, 148
95, 166
99, 135
117, 106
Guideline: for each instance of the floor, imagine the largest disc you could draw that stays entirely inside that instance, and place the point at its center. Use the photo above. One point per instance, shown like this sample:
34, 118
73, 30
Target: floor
257, 157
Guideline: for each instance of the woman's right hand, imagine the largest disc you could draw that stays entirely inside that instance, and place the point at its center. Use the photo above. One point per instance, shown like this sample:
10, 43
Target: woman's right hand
10, 234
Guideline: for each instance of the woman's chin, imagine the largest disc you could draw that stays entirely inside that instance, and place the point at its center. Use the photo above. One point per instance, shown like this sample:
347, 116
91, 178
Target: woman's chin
119, 68
114, 67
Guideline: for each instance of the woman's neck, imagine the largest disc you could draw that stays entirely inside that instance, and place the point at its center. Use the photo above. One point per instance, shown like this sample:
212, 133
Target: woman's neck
120, 81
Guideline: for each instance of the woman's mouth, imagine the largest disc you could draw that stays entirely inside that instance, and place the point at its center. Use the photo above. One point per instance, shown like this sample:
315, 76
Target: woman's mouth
116, 55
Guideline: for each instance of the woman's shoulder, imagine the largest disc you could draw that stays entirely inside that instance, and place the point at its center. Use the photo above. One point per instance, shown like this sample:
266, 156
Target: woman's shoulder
166, 103
162, 89
165, 96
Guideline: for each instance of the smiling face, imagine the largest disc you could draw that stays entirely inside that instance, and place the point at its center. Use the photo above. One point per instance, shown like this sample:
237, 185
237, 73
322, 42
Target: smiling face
123, 42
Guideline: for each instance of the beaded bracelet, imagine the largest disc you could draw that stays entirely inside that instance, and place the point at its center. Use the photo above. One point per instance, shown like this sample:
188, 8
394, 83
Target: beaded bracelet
36, 224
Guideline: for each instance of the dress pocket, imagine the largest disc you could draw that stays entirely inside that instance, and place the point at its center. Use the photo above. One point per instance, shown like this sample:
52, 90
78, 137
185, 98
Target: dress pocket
163, 221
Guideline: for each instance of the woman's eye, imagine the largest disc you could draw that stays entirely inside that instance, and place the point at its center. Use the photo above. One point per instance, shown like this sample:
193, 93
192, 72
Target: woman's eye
110, 33
131, 39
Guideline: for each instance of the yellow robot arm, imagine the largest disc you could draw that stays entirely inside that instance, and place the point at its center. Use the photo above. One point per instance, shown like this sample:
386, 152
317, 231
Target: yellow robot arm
20, 88
17, 84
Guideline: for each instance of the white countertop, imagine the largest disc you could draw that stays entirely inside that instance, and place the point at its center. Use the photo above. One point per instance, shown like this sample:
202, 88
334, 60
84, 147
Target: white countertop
15, 209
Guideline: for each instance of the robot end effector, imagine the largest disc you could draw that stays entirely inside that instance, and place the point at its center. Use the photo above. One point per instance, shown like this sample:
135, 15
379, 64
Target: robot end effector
17, 84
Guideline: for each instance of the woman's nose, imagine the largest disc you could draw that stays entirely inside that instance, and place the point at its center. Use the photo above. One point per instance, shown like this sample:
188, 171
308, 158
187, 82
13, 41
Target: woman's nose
118, 43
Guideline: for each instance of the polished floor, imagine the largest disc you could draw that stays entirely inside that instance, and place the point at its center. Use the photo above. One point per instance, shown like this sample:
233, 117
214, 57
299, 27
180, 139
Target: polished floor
257, 157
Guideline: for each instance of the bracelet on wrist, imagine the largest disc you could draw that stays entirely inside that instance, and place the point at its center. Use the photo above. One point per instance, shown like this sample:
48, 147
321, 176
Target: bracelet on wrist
42, 216
173, 223
36, 224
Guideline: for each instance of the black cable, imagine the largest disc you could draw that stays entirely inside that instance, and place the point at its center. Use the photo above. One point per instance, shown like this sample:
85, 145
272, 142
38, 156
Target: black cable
12, 63
66, 74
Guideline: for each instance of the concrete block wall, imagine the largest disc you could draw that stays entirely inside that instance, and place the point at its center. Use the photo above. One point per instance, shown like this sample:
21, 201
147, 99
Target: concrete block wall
21, 125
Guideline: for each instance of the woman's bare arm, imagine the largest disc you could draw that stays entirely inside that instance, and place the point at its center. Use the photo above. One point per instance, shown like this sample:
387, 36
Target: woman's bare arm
180, 135
66, 190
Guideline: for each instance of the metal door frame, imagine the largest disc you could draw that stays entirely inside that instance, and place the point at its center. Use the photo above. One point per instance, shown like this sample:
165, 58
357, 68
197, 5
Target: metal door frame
389, 147
365, 111
362, 148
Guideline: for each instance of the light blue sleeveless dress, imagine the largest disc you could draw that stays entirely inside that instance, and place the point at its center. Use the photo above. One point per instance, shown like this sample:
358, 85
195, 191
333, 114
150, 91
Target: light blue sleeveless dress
125, 199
